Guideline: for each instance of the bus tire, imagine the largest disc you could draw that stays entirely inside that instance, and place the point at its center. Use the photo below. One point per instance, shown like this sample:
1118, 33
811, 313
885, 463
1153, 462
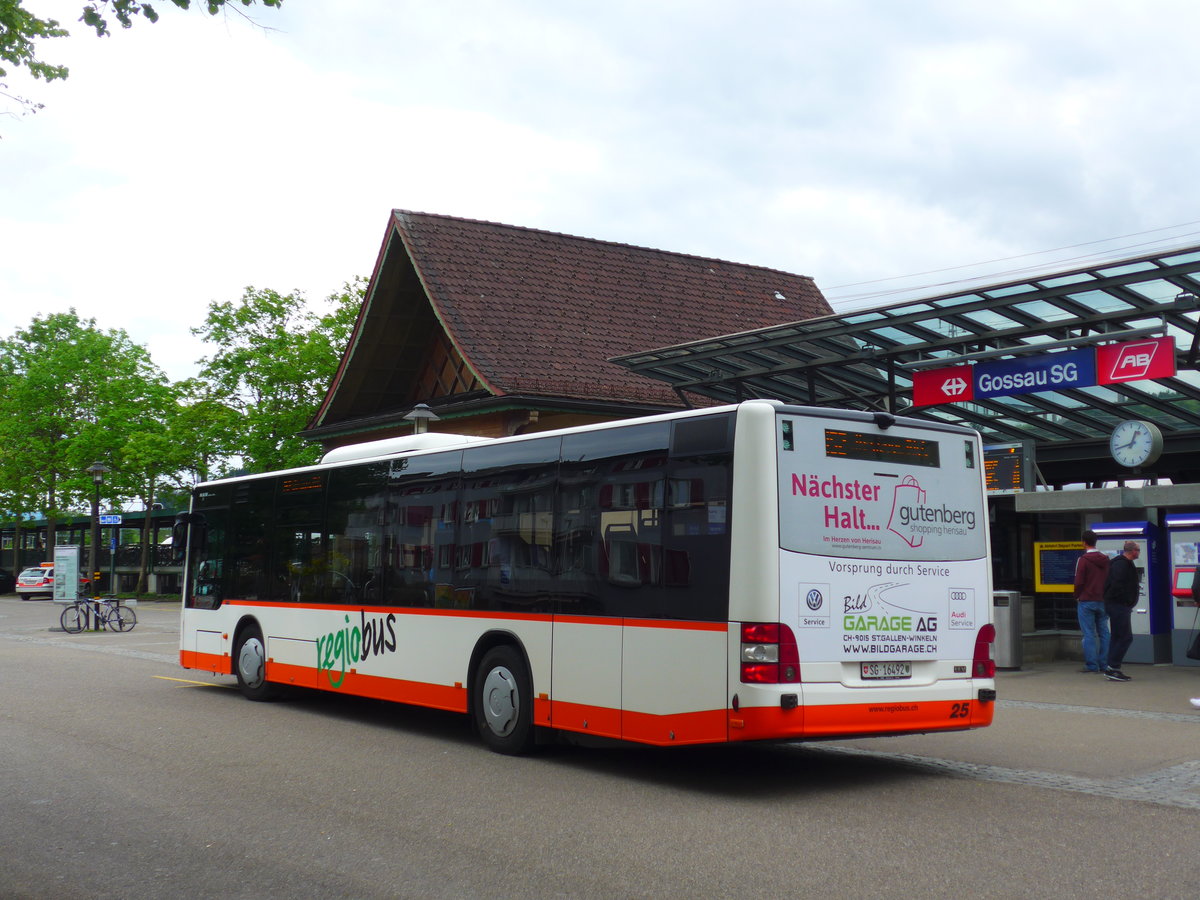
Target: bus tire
503, 701
250, 665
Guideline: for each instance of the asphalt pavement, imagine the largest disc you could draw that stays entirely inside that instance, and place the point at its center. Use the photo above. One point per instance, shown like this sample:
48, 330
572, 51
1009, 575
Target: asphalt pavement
1058, 728
1054, 726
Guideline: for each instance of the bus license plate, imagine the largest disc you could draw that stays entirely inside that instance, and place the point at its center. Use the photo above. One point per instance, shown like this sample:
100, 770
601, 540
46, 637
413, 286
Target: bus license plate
886, 670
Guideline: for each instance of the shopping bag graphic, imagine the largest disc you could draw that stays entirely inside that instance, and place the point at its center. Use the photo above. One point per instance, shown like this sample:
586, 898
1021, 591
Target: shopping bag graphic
909, 495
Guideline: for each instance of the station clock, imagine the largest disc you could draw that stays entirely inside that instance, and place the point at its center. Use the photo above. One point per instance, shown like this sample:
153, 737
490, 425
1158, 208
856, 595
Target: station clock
1135, 443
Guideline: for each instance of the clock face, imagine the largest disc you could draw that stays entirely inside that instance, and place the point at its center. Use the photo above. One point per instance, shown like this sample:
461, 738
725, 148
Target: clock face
1135, 443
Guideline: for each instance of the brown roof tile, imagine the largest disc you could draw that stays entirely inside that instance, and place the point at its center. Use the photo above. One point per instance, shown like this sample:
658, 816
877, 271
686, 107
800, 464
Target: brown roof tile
536, 312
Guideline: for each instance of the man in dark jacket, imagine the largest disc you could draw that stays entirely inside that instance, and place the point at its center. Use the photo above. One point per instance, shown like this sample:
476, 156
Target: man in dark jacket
1120, 597
1091, 571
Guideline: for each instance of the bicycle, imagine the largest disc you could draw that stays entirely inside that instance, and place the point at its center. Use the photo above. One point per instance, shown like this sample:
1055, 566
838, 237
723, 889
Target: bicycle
109, 613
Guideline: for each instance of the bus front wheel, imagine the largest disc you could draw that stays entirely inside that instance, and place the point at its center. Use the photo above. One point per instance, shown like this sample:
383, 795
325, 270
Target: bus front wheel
250, 664
503, 701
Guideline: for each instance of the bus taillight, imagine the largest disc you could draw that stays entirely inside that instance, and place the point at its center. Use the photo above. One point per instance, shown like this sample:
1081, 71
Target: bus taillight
983, 666
769, 653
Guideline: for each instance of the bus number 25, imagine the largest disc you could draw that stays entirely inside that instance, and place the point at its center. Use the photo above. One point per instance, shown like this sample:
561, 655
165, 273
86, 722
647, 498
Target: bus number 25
960, 710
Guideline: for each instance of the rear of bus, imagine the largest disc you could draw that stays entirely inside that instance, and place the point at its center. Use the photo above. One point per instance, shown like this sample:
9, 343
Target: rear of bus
871, 611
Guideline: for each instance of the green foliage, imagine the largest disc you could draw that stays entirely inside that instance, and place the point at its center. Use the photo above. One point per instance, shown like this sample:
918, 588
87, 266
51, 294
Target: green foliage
124, 11
71, 394
274, 360
206, 429
20, 31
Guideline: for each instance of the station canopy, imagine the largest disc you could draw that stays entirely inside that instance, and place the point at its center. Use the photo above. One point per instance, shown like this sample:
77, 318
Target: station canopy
866, 360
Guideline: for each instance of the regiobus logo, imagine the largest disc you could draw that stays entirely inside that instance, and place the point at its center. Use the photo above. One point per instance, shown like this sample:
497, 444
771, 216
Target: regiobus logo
913, 517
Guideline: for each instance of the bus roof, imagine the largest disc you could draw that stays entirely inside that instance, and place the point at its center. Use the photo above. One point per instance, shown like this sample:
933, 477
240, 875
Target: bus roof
433, 441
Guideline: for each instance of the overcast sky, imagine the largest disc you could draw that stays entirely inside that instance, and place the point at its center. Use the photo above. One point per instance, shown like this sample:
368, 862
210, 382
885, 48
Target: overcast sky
849, 141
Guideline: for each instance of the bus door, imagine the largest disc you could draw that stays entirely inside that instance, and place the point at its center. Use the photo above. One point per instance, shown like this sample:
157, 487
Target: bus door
640, 644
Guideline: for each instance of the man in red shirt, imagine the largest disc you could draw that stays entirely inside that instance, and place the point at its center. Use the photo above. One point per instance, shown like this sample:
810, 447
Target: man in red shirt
1091, 571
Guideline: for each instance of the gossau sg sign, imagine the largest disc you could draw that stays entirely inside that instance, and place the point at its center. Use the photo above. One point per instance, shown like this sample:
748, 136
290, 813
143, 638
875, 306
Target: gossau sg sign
1110, 364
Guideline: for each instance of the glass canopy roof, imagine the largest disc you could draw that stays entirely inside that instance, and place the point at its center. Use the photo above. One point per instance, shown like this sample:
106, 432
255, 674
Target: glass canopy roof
865, 359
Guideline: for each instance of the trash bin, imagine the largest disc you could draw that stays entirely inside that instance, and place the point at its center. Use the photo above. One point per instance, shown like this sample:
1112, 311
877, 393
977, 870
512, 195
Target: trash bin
1006, 616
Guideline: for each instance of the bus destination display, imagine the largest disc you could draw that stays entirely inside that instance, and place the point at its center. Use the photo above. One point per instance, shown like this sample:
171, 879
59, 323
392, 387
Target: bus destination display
881, 447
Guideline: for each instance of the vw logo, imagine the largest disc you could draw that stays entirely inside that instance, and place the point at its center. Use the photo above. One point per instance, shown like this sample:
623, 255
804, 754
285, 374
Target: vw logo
814, 599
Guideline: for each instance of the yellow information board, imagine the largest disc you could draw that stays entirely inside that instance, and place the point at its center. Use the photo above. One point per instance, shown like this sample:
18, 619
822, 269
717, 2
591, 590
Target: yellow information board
1054, 566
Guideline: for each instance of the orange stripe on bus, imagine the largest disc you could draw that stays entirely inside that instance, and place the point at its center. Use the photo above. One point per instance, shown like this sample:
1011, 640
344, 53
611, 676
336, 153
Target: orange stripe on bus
218, 664
417, 693
598, 720
859, 719
683, 625
704, 726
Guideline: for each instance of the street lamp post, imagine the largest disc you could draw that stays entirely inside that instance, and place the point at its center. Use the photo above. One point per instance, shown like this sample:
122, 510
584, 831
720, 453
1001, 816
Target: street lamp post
96, 470
421, 415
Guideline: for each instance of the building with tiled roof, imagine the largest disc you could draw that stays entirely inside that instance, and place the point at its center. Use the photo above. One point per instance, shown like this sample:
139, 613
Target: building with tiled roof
501, 329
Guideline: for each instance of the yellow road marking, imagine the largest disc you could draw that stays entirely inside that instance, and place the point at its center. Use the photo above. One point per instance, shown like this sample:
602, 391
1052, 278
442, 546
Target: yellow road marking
188, 681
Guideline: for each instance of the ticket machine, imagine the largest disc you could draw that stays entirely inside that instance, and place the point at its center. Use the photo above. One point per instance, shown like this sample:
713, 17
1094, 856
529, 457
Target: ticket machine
1151, 619
1183, 541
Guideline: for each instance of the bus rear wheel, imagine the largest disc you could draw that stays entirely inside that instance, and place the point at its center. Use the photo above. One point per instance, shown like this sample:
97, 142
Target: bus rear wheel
250, 665
503, 701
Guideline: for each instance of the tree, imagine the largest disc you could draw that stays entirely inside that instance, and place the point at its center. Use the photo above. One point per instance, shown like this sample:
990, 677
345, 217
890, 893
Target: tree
206, 428
20, 31
71, 394
274, 360
151, 456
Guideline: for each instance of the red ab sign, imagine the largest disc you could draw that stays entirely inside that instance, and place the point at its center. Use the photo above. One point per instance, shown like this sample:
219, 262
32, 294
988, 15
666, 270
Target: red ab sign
1130, 361
1152, 358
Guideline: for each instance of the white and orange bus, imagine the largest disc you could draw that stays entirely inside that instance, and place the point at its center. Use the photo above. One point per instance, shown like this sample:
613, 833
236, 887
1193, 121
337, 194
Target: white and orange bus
760, 571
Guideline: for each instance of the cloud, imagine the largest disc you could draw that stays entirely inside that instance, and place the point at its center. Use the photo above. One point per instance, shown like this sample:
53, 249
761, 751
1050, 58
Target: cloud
846, 140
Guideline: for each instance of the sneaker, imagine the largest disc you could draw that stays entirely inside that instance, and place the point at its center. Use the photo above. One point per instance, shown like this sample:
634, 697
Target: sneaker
1196, 702
1116, 675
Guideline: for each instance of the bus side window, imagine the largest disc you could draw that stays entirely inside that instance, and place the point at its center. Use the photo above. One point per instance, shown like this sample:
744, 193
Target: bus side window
354, 534
505, 533
419, 543
205, 534
298, 563
247, 570
696, 541
609, 521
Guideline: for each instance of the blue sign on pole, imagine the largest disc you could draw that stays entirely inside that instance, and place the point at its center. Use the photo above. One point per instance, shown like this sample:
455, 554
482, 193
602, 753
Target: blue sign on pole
110, 520
1029, 374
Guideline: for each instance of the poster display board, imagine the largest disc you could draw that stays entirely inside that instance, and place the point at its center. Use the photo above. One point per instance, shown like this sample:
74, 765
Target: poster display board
1054, 565
66, 573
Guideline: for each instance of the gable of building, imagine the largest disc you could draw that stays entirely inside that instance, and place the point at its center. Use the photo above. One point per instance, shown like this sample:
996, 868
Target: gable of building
462, 310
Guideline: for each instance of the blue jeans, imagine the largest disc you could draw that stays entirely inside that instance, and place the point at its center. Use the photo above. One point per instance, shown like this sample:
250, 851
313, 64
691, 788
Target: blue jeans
1093, 622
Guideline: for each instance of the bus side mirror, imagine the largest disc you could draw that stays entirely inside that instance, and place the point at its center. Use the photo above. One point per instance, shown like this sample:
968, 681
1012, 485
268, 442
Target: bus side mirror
178, 541
184, 538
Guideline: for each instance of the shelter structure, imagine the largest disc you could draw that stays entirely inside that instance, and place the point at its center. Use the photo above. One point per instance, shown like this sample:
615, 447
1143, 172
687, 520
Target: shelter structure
1078, 432
500, 329
868, 360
